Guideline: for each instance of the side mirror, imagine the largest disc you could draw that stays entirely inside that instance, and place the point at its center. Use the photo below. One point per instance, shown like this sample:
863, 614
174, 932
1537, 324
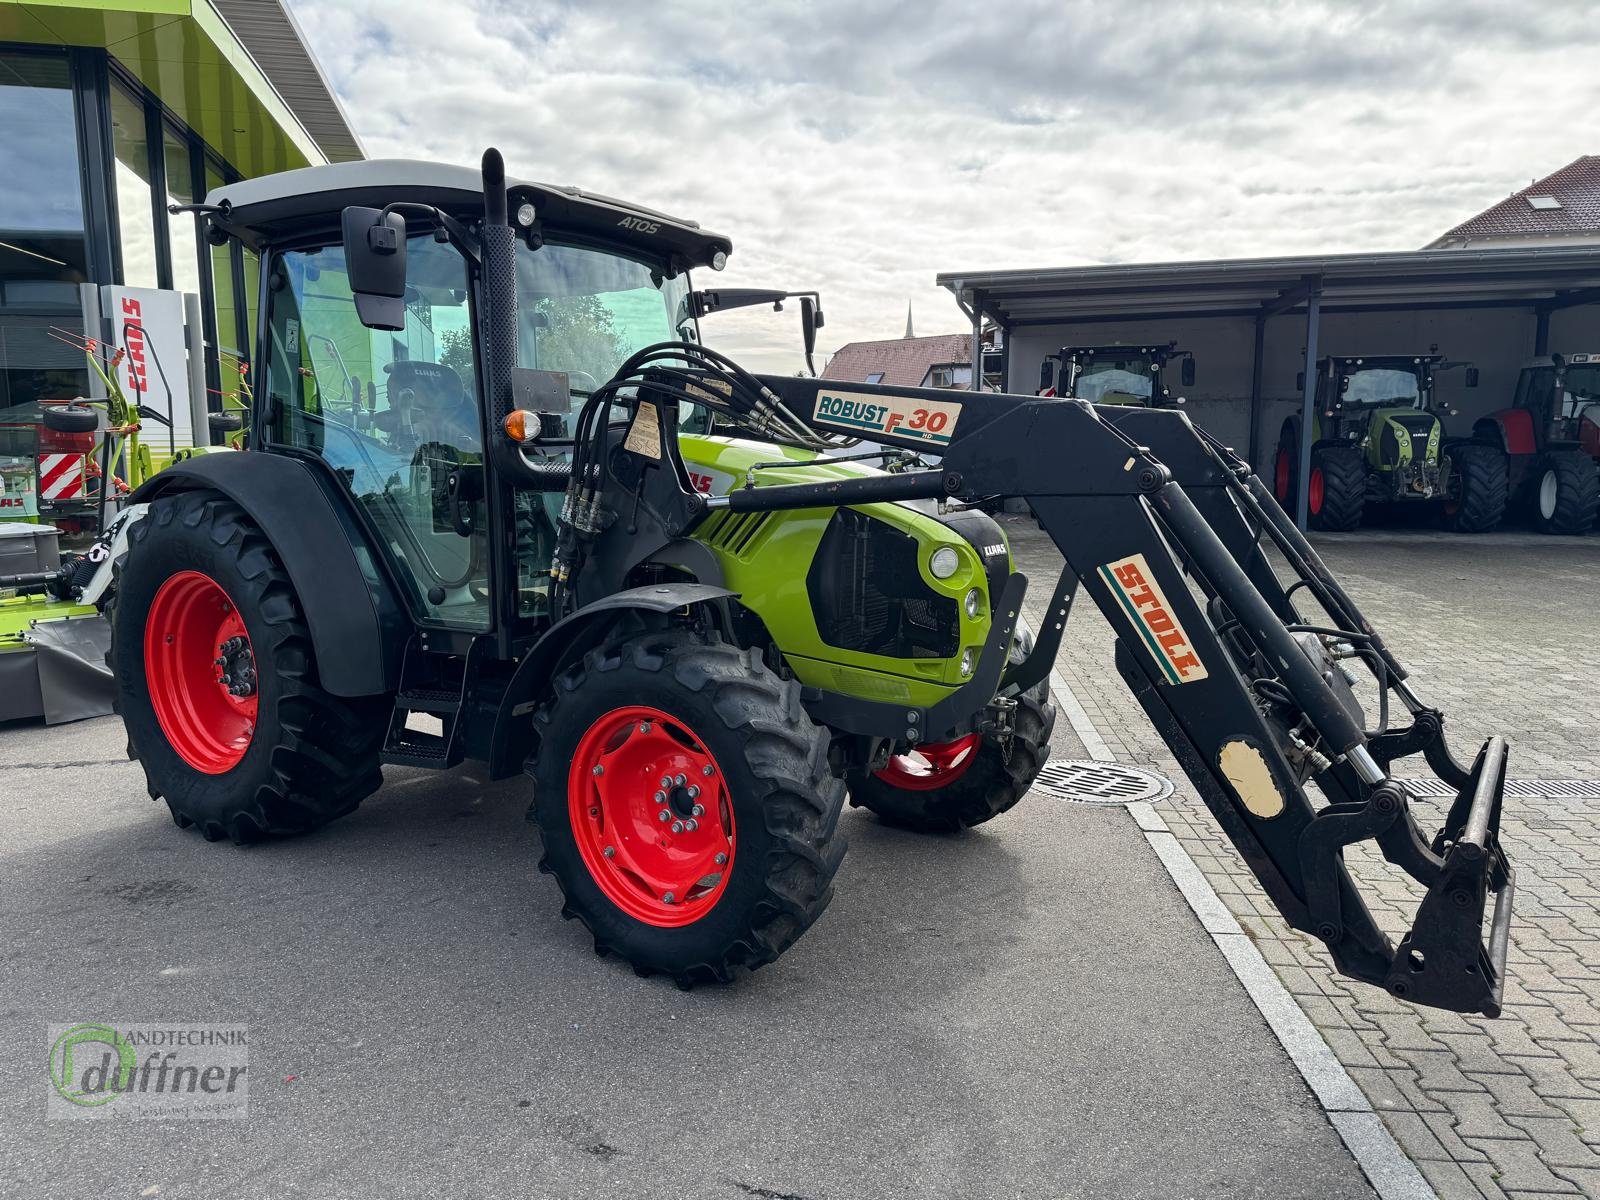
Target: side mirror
1186, 372
1472, 376
810, 322
1559, 359
1300, 382
1047, 375
375, 261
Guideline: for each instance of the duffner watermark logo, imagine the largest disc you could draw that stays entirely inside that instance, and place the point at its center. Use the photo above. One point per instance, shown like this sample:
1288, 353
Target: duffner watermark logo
158, 1072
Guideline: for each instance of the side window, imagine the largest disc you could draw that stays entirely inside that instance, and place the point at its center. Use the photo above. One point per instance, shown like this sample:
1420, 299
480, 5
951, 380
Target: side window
395, 415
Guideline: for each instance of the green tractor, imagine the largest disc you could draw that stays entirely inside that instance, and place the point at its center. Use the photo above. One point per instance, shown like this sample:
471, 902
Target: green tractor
1115, 375
1378, 439
501, 504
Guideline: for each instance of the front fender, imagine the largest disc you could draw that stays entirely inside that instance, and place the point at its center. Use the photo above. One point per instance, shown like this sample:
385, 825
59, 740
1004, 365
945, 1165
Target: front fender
357, 626
564, 642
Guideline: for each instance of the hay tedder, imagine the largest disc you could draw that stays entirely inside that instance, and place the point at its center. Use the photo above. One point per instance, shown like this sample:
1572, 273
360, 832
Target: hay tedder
501, 504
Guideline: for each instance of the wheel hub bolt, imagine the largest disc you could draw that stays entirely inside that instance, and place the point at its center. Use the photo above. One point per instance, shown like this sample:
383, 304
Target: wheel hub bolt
594, 812
699, 810
669, 898
693, 791
663, 815
661, 797
706, 770
680, 780
610, 851
722, 859
599, 770
691, 825
644, 726
666, 781
677, 827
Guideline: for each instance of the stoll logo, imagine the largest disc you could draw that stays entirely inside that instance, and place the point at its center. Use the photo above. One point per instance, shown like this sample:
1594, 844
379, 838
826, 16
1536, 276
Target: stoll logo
157, 1072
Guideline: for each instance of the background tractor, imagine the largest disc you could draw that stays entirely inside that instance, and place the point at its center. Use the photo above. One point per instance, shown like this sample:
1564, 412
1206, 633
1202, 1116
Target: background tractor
1550, 437
1118, 375
553, 532
1378, 439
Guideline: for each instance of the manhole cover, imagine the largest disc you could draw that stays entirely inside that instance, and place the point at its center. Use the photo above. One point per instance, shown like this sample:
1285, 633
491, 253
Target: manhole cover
1101, 783
1519, 789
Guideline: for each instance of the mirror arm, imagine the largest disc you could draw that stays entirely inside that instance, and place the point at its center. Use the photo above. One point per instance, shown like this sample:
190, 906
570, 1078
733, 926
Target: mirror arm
460, 236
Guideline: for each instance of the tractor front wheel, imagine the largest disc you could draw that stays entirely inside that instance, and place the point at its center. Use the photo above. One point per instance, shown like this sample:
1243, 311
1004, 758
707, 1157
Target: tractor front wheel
1338, 488
954, 785
217, 680
1566, 492
686, 805
1476, 497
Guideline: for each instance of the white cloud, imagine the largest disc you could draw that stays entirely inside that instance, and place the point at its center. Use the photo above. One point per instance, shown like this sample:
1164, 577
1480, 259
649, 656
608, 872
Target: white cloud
860, 148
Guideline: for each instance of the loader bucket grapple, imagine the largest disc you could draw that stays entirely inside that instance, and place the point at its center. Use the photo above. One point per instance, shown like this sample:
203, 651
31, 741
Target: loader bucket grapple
495, 479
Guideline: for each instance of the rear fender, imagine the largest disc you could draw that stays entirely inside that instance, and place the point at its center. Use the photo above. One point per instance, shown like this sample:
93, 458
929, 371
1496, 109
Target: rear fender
1511, 428
565, 642
358, 628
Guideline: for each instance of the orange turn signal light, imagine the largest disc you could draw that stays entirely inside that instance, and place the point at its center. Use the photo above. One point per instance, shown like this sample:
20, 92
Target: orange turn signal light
521, 425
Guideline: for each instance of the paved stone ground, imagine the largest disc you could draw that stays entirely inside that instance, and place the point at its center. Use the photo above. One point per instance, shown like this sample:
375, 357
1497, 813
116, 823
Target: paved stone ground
1502, 633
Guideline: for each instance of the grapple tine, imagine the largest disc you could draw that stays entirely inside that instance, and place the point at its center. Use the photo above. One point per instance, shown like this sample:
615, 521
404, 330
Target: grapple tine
1444, 961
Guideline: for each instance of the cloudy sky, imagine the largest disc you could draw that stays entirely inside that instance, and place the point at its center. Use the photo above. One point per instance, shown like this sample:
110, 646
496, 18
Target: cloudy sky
860, 147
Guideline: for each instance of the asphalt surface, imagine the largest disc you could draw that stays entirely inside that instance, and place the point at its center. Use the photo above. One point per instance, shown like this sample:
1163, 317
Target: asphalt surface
1028, 1010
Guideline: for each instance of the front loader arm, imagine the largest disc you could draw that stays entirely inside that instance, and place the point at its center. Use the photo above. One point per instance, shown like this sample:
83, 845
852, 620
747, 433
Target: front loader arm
1244, 691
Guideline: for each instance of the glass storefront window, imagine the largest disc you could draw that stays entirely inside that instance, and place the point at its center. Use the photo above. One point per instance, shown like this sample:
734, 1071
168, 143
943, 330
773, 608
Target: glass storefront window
182, 237
135, 211
43, 256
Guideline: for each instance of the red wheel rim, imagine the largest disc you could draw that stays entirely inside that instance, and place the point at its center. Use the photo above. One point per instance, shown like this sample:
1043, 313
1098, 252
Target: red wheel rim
631, 766
1280, 476
931, 766
193, 637
1314, 495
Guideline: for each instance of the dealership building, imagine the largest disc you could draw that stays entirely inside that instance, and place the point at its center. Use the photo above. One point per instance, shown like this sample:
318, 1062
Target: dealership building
111, 111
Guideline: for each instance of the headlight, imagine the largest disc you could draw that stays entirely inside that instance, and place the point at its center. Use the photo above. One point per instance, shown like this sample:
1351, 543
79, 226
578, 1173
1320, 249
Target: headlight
974, 604
944, 562
969, 659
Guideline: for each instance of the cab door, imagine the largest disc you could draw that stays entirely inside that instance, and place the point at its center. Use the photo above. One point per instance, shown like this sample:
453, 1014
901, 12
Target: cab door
396, 417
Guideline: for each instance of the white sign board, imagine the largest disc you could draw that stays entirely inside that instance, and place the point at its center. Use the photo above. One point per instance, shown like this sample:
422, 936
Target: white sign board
154, 372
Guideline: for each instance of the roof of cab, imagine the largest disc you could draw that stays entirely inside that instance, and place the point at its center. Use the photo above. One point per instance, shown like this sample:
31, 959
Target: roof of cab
310, 199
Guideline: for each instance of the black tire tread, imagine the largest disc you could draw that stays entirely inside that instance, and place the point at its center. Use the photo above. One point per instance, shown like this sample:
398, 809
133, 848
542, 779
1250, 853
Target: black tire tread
798, 792
1577, 492
1344, 488
1485, 487
992, 785
325, 761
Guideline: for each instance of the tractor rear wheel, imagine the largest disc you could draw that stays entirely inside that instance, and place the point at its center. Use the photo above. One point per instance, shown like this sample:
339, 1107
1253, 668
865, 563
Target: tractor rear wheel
216, 681
955, 785
1338, 488
686, 805
1477, 490
1566, 492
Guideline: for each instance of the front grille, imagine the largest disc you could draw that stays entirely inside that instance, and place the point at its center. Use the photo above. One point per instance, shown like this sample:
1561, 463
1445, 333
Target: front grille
868, 595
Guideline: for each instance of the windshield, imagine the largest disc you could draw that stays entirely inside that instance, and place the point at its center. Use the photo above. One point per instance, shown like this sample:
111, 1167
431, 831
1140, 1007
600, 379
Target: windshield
1119, 376
586, 311
1581, 386
1380, 385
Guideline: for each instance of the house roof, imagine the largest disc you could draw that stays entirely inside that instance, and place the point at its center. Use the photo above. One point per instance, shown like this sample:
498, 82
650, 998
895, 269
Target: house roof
904, 362
1566, 202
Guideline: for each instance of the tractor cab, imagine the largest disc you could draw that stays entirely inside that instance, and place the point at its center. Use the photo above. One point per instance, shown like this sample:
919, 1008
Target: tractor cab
1563, 396
1117, 375
394, 406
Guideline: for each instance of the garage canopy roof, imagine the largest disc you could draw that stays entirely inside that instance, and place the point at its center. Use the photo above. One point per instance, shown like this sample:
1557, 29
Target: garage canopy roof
1543, 276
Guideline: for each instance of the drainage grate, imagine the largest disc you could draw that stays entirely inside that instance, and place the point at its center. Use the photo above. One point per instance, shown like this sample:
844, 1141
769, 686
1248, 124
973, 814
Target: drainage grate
1521, 789
1100, 783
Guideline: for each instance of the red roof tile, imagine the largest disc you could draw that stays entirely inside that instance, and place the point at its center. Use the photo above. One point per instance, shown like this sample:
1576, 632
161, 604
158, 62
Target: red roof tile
1575, 186
904, 362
